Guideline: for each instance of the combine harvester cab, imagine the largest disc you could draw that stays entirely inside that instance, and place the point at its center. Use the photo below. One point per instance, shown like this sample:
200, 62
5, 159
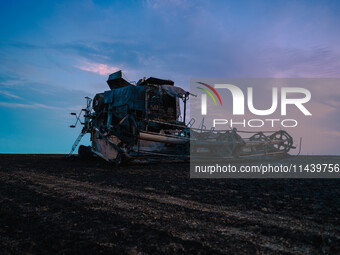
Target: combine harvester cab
144, 121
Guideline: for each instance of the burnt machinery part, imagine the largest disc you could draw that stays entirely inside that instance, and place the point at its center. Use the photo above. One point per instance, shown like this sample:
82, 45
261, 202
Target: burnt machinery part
183, 149
286, 141
231, 144
98, 102
223, 144
259, 137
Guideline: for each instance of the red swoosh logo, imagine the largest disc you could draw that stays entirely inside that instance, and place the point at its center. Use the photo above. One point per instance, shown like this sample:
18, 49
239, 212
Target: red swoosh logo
208, 86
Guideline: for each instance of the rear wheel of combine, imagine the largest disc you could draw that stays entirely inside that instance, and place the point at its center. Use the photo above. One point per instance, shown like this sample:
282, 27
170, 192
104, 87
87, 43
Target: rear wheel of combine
84, 152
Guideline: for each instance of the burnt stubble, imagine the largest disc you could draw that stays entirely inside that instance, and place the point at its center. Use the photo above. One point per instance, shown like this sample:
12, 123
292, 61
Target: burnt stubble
52, 204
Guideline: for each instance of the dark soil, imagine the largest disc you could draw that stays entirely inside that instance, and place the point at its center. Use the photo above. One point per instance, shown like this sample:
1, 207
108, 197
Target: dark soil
51, 204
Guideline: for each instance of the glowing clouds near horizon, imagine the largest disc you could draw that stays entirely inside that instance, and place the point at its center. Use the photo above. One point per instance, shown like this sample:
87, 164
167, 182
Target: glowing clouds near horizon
101, 69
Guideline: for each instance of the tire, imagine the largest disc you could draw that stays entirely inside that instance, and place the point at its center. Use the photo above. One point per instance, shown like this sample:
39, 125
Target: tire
84, 152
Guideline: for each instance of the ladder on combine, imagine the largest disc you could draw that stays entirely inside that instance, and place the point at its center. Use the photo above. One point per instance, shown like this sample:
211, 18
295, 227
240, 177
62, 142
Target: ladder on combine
87, 114
77, 141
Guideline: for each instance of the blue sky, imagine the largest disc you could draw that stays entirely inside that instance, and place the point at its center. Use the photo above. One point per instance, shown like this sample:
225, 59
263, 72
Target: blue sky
54, 53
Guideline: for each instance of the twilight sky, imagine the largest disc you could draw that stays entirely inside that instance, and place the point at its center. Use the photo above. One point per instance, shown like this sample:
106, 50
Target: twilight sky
54, 53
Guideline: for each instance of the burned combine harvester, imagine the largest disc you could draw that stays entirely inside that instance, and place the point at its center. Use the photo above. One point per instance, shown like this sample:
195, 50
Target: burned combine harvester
143, 121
